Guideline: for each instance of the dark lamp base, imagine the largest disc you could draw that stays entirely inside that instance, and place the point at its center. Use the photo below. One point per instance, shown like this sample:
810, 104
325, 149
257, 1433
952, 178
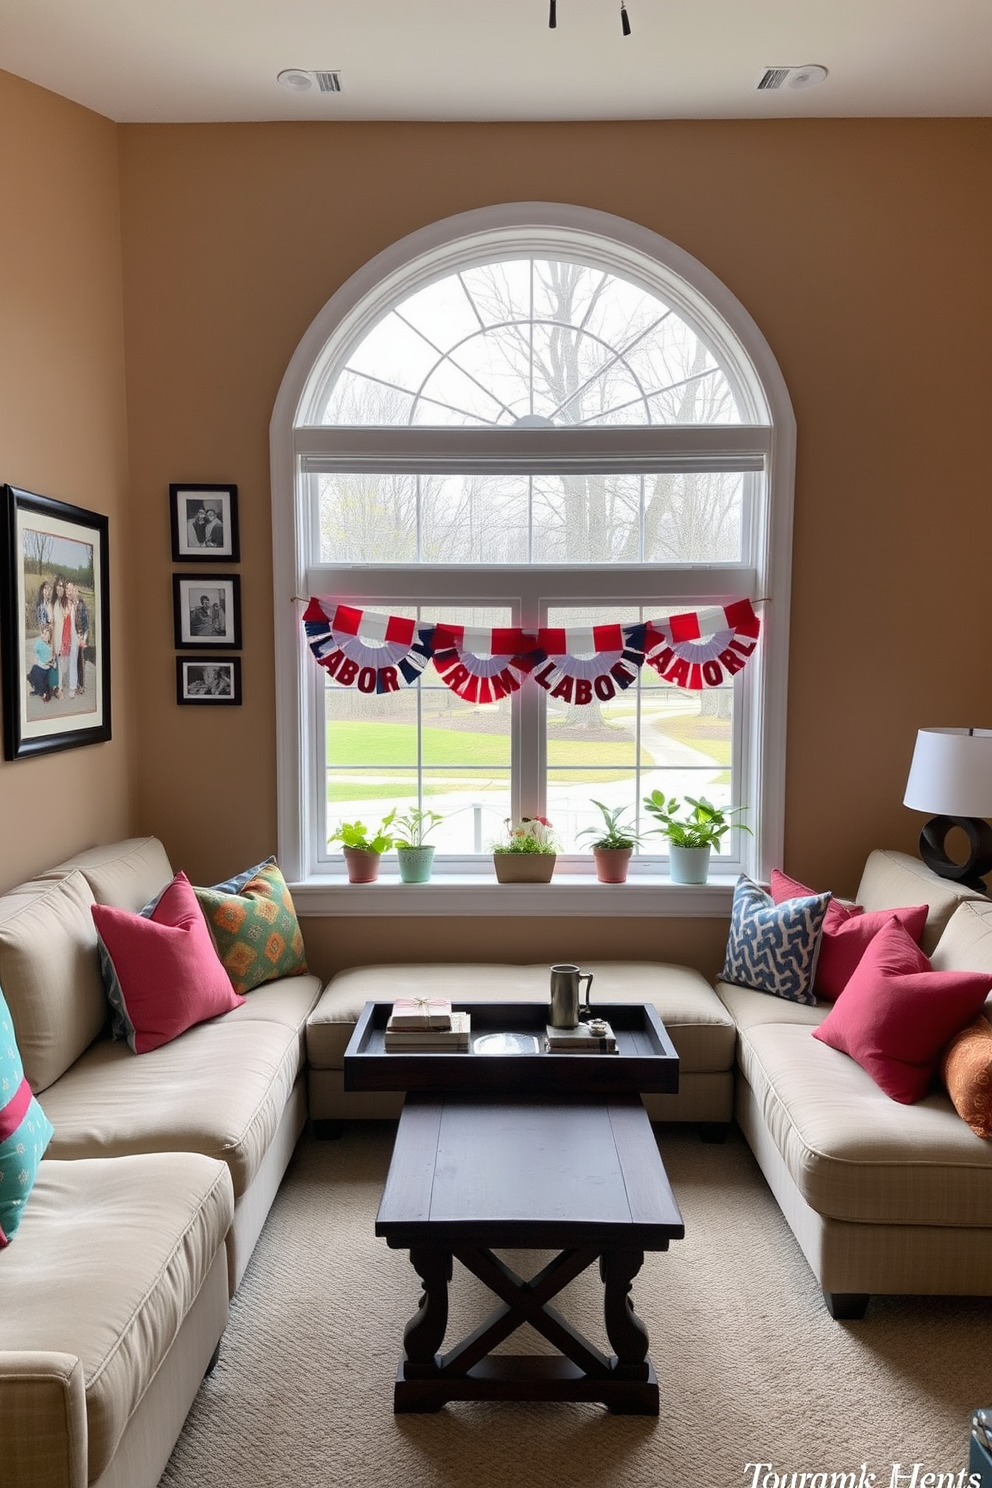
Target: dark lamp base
979, 861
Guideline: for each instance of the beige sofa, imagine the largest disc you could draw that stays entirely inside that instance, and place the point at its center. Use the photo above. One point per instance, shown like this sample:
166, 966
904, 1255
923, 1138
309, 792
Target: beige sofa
882, 1197
155, 1186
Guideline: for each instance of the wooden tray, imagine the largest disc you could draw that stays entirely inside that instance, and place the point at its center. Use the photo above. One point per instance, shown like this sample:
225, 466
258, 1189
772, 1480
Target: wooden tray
646, 1059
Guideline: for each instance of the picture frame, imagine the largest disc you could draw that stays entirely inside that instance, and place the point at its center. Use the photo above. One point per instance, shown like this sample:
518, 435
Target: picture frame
207, 610
211, 681
55, 632
204, 520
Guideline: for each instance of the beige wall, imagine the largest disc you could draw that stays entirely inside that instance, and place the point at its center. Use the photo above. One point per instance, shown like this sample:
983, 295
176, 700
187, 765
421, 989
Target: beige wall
860, 247
62, 423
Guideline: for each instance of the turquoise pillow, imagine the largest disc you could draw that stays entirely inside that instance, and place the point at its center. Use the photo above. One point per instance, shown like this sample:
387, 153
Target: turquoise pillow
774, 947
25, 1132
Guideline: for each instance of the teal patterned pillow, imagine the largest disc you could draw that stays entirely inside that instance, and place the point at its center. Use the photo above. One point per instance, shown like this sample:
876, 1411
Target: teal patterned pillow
774, 947
25, 1132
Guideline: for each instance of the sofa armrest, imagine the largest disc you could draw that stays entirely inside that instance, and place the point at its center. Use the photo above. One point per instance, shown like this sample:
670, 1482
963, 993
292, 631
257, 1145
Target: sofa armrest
43, 1410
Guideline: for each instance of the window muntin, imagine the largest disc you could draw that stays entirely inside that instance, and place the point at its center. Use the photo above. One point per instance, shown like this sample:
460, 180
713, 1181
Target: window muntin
537, 341
554, 517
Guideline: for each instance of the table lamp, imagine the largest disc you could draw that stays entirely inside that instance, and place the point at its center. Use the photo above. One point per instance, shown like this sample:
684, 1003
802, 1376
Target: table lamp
951, 776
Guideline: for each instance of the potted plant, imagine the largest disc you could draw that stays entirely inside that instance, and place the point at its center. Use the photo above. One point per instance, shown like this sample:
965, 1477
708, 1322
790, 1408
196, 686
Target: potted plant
362, 848
613, 844
690, 837
528, 853
415, 856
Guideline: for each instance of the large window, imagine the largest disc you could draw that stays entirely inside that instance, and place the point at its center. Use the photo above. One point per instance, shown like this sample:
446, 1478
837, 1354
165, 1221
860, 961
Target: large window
530, 417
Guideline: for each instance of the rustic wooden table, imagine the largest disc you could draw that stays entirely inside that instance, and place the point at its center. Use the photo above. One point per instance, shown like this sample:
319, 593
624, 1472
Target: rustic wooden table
574, 1173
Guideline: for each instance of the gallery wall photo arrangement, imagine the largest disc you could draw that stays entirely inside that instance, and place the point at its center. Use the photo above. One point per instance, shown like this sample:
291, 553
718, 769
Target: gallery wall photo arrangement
56, 624
207, 610
208, 680
204, 521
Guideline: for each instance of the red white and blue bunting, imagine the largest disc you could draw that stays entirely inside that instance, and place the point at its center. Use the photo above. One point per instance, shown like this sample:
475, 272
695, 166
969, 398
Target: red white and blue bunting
579, 665
705, 647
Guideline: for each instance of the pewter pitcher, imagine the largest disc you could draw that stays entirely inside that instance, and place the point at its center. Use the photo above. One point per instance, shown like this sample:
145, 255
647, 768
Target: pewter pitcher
565, 1005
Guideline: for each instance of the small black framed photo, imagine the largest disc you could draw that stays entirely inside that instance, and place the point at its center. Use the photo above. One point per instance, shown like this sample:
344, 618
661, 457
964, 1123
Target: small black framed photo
204, 523
207, 610
208, 680
54, 624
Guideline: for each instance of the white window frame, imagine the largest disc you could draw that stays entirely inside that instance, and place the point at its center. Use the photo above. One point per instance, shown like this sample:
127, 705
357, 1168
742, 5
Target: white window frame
767, 441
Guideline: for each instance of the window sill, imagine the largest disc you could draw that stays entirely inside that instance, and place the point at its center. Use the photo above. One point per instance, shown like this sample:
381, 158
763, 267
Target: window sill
455, 895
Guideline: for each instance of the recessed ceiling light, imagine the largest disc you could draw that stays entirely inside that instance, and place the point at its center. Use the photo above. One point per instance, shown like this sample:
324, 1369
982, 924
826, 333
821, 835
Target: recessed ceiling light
295, 79
806, 77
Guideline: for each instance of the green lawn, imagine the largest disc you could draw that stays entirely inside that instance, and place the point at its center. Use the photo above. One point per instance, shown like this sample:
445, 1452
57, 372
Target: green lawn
709, 735
389, 750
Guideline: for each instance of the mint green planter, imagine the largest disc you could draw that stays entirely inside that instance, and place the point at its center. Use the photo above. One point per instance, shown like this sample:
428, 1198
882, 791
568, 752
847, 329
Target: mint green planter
415, 863
688, 865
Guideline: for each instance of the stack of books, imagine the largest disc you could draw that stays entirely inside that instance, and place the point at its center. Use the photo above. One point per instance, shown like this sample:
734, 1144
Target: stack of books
588, 1038
426, 1025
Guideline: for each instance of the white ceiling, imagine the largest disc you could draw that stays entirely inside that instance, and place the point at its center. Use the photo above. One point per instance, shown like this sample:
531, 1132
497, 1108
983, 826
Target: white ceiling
193, 60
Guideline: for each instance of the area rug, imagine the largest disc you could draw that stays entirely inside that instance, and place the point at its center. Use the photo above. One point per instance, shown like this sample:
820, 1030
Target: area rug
759, 1385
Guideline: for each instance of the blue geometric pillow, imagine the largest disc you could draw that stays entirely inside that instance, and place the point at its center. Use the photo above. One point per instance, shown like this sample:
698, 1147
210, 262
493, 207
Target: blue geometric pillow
25, 1132
774, 947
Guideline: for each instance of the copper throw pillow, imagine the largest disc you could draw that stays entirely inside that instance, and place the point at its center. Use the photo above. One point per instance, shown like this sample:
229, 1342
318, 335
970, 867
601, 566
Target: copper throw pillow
966, 1068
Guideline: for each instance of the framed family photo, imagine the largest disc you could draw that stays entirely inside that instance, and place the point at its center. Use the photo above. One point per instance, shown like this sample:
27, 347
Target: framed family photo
55, 624
204, 523
207, 610
208, 680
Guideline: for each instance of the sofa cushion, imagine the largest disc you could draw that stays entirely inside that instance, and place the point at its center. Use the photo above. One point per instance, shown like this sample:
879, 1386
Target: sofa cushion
25, 1132
164, 967
127, 874
897, 1014
749, 1009
966, 944
847, 931
774, 947
966, 1070
892, 879
853, 1153
699, 1026
220, 1088
50, 974
110, 1259
255, 929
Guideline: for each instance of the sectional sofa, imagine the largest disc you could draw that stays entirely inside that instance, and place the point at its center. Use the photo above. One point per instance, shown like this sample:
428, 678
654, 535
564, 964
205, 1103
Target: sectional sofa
882, 1197
155, 1185
162, 1167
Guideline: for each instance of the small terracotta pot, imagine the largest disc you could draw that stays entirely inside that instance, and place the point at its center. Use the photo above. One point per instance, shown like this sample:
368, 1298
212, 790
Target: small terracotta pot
612, 863
524, 867
363, 866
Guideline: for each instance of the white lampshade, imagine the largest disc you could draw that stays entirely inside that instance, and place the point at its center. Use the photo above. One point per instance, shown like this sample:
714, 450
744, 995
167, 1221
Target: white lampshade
951, 773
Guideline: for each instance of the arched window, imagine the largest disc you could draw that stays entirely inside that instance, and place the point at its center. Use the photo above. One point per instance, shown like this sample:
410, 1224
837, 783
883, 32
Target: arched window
533, 416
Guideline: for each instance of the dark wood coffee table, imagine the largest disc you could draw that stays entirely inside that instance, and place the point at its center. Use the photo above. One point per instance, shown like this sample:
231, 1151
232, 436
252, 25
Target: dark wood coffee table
577, 1174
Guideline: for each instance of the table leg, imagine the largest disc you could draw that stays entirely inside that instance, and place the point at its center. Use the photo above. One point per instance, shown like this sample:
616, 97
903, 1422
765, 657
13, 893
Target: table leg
424, 1333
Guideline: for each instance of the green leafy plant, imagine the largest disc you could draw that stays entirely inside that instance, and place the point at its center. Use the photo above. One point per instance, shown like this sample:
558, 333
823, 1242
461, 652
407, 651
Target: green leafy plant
357, 834
703, 826
532, 834
612, 834
414, 825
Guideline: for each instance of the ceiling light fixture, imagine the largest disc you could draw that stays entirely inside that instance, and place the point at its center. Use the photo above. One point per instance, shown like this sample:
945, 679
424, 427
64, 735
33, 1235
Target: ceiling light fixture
624, 18
295, 79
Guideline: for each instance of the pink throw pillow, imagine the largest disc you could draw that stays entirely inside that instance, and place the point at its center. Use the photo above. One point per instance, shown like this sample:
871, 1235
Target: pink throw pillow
847, 933
897, 1014
166, 967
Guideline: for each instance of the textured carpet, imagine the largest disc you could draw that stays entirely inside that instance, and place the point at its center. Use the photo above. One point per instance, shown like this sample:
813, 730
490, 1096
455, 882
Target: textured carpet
751, 1367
